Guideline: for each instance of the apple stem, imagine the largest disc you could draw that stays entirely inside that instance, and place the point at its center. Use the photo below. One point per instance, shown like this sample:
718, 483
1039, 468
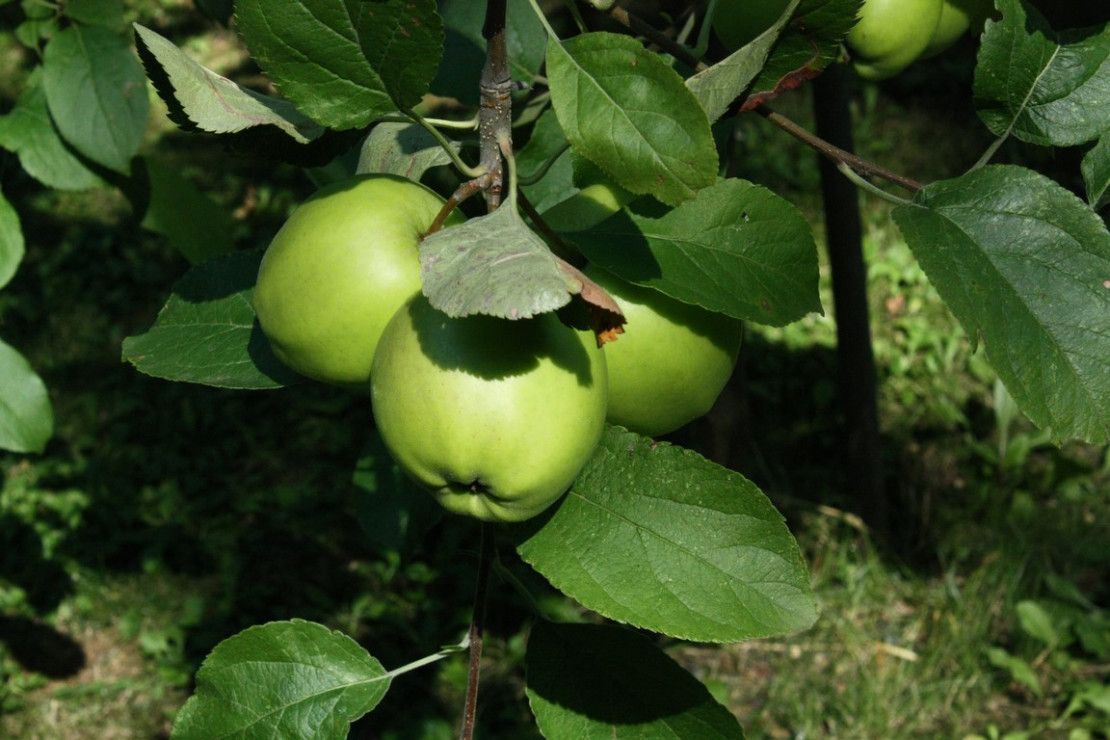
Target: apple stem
477, 626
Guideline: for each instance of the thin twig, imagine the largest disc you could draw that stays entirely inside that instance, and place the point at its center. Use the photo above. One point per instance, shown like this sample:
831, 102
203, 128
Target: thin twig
477, 625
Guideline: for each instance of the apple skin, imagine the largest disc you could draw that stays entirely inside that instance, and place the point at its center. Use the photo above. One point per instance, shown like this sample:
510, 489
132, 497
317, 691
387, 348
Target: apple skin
494, 417
588, 207
956, 18
738, 22
671, 362
338, 270
891, 35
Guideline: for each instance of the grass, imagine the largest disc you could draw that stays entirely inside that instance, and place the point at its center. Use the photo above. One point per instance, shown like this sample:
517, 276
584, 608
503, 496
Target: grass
164, 518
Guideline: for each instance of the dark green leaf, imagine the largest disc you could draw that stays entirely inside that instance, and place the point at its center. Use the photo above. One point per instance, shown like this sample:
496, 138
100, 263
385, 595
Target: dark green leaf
808, 43
97, 94
393, 511
628, 112
603, 681
657, 536
292, 679
719, 85
736, 248
1025, 266
26, 419
547, 147
345, 62
195, 225
197, 97
494, 265
207, 332
106, 13
29, 132
11, 241
30, 32
1042, 87
404, 149
1096, 173
465, 47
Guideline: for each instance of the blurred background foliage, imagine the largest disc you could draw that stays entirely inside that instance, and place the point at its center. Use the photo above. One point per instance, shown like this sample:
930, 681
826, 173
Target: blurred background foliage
163, 518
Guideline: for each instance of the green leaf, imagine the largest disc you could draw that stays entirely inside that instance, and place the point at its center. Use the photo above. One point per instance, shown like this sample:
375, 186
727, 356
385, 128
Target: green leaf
404, 149
1018, 669
1042, 87
29, 132
547, 147
207, 332
199, 98
736, 248
106, 13
392, 510
603, 681
195, 225
658, 537
625, 110
494, 265
11, 241
345, 62
97, 94
465, 47
1096, 173
1025, 266
26, 418
719, 85
292, 679
1036, 622
808, 43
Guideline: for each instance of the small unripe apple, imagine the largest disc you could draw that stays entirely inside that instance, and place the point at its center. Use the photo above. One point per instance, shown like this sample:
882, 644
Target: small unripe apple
494, 417
891, 35
671, 362
957, 17
339, 269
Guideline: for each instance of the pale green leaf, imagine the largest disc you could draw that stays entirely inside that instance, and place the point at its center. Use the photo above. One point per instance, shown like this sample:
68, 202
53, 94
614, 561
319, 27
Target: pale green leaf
589, 681
195, 225
736, 248
11, 241
97, 94
291, 679
1025, 266
625, 110
26, 418
404, 149
658, 537
29, 132
494, 265
199, 98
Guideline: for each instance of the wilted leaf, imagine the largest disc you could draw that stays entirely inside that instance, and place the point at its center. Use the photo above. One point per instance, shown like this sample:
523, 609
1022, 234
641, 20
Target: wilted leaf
1025, 266
292, 679
495, 265
603, 681
658, 537
651, 136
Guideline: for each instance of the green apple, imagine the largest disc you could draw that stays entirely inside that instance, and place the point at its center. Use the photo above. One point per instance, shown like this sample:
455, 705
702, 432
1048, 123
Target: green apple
738, 22
588, 207
339, 269
891, 35
494, 417
672, 361
956, 18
